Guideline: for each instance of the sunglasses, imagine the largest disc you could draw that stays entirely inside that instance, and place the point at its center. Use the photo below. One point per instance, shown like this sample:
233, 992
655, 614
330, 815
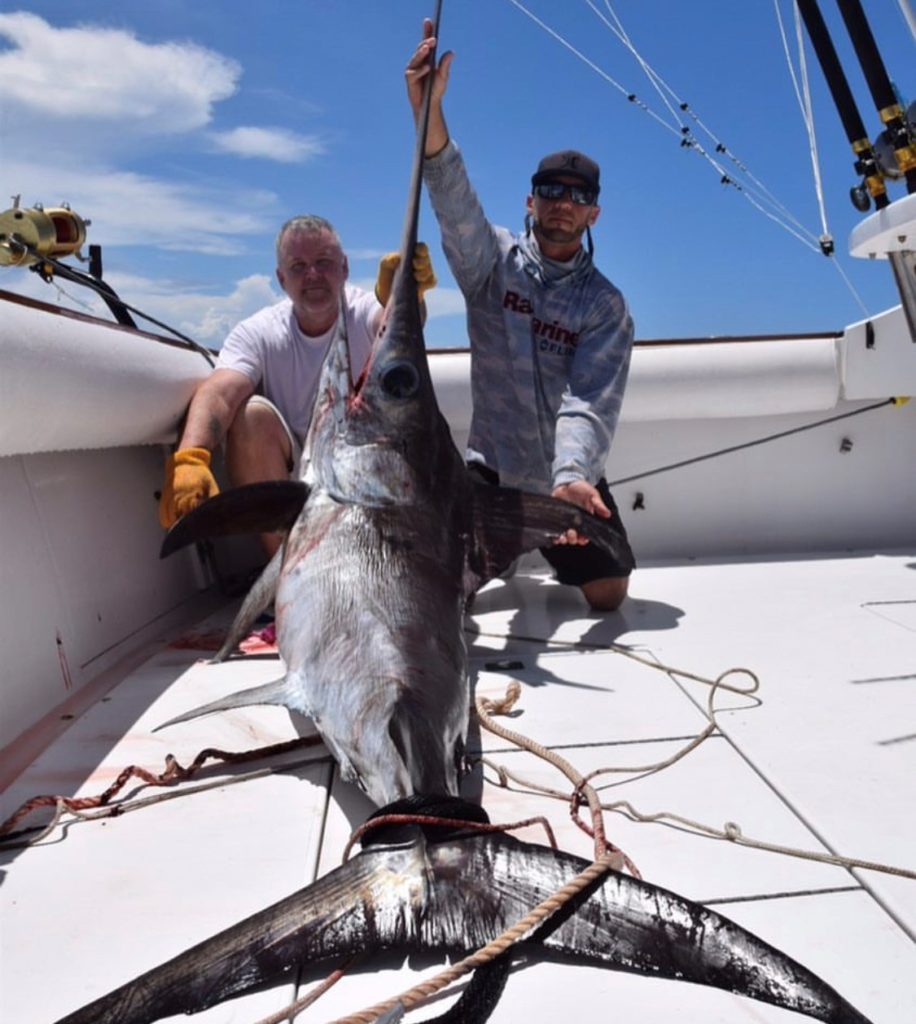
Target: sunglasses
557, 190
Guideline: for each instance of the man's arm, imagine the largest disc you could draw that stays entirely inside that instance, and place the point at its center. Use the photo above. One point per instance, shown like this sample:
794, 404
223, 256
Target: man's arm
188, 478
213, 408
587, 418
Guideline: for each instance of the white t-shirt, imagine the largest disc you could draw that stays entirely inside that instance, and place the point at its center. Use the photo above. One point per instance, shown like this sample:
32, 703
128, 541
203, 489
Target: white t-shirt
284, 364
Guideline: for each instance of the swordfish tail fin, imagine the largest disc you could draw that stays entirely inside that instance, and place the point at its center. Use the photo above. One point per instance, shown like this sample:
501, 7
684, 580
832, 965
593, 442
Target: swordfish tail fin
465, 889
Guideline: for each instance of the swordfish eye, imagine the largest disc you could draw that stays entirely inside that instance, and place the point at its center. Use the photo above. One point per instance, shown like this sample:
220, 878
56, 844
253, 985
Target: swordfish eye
400, 380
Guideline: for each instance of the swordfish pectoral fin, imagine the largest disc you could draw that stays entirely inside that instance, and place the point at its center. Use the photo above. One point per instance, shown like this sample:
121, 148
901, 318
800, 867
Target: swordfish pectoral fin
280, 691
624, 924
508, 523
254, 508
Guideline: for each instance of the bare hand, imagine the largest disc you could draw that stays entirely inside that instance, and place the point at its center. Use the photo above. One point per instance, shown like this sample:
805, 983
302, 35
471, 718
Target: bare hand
585, 496
420, 65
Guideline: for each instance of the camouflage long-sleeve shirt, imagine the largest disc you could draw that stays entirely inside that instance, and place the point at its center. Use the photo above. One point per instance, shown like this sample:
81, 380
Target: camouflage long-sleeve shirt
550, 343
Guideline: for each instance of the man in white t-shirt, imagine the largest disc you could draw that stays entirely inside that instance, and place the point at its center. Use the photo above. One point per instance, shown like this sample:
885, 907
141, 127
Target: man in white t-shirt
259, 397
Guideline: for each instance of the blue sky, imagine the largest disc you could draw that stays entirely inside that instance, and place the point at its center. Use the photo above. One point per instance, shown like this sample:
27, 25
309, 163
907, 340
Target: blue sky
187, 133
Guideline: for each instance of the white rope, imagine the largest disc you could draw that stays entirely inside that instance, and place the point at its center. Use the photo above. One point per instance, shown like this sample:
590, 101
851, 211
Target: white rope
730, 831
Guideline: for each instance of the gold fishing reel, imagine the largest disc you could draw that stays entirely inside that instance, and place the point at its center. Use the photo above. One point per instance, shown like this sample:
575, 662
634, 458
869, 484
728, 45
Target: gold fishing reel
28, 234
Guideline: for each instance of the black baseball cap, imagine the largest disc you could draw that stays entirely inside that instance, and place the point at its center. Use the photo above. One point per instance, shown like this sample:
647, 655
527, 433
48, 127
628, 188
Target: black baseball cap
568, 164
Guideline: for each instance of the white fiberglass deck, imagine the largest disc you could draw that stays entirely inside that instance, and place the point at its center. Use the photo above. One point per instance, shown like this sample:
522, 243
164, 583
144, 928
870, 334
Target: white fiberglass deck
823, 761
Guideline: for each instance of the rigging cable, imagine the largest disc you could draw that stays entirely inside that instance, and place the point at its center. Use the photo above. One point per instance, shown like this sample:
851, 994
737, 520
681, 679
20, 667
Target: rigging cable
803, 95
690, 140
759, 440
753, 190
686, 138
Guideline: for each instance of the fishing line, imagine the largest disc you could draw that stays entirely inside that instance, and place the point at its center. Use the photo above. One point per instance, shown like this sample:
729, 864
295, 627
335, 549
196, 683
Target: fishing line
803, 234
632, 97
803, 95
686, 141
655, 79
752, 189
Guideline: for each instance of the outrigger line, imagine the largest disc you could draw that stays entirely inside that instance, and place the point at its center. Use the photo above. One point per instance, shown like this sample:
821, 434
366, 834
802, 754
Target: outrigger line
756, 193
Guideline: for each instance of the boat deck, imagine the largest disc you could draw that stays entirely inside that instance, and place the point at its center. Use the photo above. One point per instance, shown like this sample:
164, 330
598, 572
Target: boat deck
820, 759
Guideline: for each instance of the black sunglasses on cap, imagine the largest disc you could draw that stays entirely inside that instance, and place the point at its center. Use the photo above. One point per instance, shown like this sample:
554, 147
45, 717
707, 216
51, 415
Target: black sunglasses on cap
557, 190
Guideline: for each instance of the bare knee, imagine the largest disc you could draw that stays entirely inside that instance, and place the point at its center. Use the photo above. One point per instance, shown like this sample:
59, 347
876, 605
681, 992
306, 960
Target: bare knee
606, 595
257, 447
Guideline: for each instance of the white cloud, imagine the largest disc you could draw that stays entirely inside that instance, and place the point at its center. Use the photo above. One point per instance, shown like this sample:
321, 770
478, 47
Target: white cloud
203, 316
134, 209
103, 74
210, 318
269, 144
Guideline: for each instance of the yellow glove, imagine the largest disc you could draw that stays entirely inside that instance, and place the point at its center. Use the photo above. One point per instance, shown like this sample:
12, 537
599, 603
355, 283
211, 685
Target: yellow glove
188, 483
423, 272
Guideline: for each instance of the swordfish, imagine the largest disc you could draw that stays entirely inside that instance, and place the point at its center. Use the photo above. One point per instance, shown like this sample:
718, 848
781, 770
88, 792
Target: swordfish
386, 538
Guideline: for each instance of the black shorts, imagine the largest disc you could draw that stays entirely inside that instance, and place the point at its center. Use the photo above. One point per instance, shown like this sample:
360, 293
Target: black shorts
576, 564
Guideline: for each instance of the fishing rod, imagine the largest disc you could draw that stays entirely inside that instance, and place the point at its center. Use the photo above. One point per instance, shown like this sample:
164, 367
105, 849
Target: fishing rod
39, 236
866, 163
892, 114
898, 133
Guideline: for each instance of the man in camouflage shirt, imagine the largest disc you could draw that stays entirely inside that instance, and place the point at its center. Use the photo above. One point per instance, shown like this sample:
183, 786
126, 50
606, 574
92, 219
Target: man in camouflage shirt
550, 336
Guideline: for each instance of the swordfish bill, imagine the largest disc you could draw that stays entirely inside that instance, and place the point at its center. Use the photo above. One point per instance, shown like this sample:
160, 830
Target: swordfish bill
386, 537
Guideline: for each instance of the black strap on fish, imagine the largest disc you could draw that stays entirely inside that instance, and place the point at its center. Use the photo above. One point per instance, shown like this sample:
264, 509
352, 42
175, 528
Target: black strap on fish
481, 996
425, 805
